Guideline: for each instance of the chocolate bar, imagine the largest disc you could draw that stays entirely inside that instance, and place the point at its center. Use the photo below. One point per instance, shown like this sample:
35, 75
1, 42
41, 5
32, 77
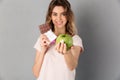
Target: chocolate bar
45, 29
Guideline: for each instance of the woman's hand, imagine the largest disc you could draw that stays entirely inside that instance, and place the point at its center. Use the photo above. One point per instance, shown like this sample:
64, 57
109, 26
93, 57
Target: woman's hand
44, 43
61, 48
71, 56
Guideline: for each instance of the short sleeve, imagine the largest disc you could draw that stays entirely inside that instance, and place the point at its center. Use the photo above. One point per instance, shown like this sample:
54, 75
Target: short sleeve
37, 45
77, 41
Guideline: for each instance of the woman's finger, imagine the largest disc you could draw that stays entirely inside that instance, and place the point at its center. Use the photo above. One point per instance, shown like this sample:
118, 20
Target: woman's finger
58, 47
61, 48
64, 49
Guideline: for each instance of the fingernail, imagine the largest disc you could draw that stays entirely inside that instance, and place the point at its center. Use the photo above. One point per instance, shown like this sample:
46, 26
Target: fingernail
71, 46
48, 42
64, 44
62, 41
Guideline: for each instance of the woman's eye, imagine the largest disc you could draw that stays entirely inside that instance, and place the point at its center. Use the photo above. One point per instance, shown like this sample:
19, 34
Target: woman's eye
54, 14
64, 14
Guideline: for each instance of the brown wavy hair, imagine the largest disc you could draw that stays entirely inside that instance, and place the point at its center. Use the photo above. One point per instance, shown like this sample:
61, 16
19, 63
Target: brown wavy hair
70, 25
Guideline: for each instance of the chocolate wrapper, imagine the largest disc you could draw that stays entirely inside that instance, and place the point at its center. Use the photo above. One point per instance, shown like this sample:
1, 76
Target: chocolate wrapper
45, 29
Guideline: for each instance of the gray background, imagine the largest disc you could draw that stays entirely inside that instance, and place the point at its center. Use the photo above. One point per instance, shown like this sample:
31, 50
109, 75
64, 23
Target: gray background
98, 22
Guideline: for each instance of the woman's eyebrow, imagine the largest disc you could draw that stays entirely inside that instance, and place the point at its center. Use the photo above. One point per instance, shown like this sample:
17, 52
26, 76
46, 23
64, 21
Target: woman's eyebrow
53, 12
61, 12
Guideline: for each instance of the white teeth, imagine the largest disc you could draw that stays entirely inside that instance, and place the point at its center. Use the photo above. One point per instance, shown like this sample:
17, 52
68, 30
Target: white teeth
59, 23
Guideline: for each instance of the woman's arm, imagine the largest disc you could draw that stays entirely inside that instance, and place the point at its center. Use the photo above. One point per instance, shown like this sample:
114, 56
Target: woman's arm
38, 63
71, 56
40, 54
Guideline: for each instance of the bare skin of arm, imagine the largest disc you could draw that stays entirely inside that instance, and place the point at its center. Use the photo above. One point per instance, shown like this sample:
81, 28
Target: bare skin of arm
71, 56
40, 55
38, 63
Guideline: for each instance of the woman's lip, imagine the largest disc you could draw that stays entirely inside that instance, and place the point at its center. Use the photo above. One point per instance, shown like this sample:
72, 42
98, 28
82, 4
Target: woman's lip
59, 23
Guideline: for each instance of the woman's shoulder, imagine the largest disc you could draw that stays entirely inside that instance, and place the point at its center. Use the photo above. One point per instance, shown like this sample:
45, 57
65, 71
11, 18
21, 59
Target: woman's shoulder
76, 36
77, 39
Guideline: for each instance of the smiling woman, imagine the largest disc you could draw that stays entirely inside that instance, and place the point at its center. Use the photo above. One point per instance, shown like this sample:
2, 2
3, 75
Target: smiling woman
59, 18
55, 61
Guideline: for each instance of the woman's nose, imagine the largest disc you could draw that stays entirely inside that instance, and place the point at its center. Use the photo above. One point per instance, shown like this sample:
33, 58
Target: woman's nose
59, 17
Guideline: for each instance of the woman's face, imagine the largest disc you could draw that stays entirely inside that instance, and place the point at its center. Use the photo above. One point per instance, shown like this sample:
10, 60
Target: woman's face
59, 17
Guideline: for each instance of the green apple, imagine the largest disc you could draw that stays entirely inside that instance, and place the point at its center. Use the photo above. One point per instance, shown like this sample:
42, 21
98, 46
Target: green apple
67, 39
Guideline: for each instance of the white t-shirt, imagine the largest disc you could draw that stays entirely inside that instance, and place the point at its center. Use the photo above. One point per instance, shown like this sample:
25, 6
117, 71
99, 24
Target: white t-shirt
54, 66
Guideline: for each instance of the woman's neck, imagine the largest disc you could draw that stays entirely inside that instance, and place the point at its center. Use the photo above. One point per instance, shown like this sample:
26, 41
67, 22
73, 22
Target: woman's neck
59, 31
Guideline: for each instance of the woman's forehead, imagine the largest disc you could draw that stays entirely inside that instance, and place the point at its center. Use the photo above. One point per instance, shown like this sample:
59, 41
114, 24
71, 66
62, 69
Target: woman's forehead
58, 9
